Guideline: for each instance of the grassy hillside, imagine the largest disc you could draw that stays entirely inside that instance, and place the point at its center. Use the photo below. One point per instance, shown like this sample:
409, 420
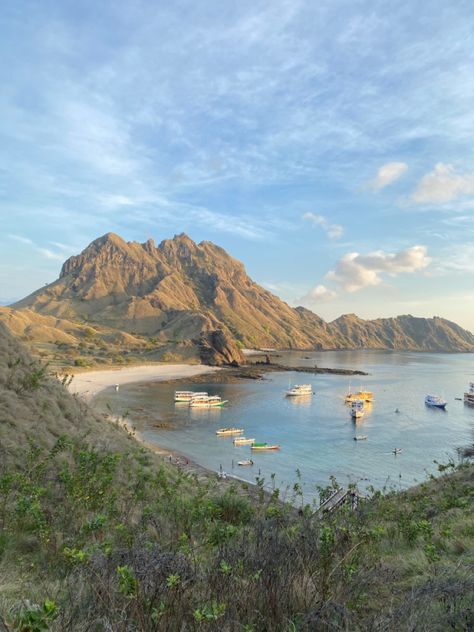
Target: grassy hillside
98, 534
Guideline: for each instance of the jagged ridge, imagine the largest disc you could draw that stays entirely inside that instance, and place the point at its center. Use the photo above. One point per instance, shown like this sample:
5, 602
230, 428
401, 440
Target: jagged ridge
180, 290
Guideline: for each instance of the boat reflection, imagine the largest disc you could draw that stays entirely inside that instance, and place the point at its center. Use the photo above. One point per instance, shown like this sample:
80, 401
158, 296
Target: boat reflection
301, 400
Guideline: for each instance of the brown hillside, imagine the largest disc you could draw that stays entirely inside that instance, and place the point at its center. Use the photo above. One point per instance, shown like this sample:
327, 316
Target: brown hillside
180, 290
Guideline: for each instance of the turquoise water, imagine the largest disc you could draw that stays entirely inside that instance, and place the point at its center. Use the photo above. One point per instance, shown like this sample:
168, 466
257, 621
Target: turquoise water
316, 434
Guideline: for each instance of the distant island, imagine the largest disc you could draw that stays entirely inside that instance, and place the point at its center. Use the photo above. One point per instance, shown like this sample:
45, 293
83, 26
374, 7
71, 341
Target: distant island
183, 301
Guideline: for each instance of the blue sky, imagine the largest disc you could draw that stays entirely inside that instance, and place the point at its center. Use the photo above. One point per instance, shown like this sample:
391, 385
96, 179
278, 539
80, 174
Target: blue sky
328, 145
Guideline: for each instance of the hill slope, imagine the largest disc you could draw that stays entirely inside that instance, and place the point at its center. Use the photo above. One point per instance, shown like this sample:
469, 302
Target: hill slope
97, 533
179, 290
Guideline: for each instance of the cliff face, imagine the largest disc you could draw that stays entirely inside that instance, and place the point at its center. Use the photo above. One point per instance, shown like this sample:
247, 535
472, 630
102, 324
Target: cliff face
180, 290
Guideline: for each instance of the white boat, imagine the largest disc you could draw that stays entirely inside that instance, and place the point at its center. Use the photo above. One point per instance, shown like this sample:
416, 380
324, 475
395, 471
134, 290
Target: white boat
357, 409
208, 401
300, 389
469, 396
435, 401
244, 441
224, 432
245, 462
396, 450
360, 437
187, 396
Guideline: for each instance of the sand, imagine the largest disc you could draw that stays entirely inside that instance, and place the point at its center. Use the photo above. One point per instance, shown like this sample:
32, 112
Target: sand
90, 383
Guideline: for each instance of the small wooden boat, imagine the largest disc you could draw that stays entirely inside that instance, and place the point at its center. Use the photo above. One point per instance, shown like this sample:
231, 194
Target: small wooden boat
360, 437
222, 432
244, 441
435, 401
263, 447
245, 462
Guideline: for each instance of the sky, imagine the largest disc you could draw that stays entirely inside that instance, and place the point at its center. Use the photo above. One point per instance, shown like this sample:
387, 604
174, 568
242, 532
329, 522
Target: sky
328, 145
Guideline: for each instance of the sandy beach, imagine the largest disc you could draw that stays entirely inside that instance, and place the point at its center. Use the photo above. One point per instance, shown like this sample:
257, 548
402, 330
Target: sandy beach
89, 383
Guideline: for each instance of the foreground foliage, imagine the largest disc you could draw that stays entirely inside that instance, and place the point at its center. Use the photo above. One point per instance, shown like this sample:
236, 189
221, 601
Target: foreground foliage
97, 540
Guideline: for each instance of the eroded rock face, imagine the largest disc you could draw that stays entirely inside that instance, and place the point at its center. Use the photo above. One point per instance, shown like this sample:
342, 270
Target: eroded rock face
217, 348
178, 290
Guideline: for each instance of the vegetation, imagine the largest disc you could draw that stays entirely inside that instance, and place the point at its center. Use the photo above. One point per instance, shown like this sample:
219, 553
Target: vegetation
93, 539
99, 534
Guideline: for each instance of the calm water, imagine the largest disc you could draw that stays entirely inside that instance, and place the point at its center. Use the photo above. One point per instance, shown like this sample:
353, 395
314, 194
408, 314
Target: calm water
316, 434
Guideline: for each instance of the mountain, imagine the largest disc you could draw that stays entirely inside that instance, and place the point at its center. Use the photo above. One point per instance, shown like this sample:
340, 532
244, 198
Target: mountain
182, 291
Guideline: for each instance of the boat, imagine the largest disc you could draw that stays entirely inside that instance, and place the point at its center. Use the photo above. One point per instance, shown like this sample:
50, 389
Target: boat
222, 432
396, 450
357, 409
360, 437
245, 462
365, 396
264, 446
435, 401
207, 401
187, 396
300, 389
469, 396
244, 441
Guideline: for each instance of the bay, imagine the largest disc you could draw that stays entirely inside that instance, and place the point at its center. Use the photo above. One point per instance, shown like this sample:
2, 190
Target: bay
316, 434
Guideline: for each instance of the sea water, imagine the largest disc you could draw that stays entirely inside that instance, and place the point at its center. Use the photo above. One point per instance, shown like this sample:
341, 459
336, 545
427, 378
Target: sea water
316, 433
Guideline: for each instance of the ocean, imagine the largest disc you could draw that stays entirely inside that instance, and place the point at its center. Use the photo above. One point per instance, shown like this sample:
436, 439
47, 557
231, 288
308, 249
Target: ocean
316, 434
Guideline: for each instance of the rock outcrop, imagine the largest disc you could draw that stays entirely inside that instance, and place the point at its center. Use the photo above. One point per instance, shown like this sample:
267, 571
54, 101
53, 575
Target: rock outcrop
217, 348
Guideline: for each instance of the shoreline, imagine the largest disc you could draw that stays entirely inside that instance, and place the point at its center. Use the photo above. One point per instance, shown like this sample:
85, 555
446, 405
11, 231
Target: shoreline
88, 384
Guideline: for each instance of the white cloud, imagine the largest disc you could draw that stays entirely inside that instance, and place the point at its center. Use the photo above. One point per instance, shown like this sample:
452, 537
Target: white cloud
355, 271
387, 174
318, 294
22, 240
334, 231
45, 252
443, 184
49, 254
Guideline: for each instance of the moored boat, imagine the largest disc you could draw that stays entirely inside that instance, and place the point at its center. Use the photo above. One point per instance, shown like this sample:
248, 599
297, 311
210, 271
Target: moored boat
357, 409
469, 396
264, 446
360, 437
229, 431
244, 441
435, 401
187, 396
299, 389
207, 401
245, 462
365, 396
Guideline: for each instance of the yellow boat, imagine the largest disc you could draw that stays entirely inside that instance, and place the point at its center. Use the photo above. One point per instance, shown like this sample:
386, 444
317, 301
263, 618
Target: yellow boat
365, 396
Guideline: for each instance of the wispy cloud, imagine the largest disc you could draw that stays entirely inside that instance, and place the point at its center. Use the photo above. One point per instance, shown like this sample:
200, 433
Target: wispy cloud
354, 271
45, 252
442, 185
388, 174
334, 231
22, 240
